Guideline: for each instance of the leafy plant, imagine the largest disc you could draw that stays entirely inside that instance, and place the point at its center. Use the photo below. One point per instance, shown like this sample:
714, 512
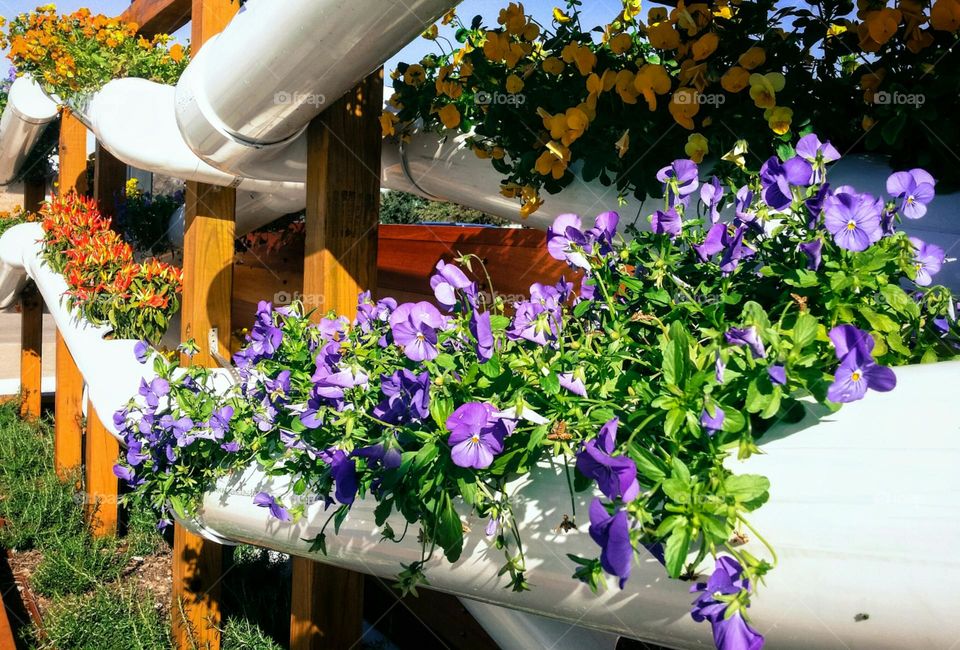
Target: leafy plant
684, 343
144, 219
111, 618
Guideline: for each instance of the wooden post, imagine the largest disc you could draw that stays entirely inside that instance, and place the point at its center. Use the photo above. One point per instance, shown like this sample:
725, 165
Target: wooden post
109, 181
31, 345
34, 193
343, 203
101, 486
68, 413
208, 249
68, 417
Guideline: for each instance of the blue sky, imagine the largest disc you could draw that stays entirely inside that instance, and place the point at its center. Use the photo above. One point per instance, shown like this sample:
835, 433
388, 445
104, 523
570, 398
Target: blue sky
595, 12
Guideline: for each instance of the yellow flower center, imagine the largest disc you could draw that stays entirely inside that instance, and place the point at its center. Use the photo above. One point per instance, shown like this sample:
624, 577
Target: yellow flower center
856, 376
851, 225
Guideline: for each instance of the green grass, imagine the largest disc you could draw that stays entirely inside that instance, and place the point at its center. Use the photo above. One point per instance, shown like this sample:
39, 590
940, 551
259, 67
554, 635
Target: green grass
108, 618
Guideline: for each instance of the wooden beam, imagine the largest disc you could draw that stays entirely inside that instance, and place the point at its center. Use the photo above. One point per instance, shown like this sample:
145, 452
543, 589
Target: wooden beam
31, 352
343, 205
72, 155
101, 449
34, 194
158, 16
208, 248
68, 413
109, 181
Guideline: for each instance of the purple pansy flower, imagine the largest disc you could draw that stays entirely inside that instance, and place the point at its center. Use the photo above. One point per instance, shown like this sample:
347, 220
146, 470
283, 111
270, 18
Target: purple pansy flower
141, 351
928, 260
711, 194
913, 189
447, 281
666, 223
566, 240
124, 473
729, 632
814, 252
849, 340
476, 434
853, 219
344, 473
777, 374
743, 203
152, 392
407, 398
572, 383
778, 178
680, 180
712, 423
712, 243
612, 534
277, 511
482, 333
817, 153
748, 336
414, 327
616, 476
854, 377
379, 455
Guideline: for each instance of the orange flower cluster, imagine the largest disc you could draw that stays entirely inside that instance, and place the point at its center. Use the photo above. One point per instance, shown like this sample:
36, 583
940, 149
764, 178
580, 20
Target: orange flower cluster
105, 283
81, 51
910, 20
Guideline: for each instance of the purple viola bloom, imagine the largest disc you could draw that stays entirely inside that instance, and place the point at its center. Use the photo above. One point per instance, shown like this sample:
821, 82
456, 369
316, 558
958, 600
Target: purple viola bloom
712, 423
777, 374
680, 179
415, 328
853, 219
814, 252
141, 351
332, 385
476, 435
231, 447
814, 205
712, 194
587, 289
913, 189
712, 243
482, 333
538, 319
566, 241
748, 336
219, 421
604, 230
612, 534
817, 153
735, 250
928, 260
447, 281
729, 632
379, 455
743, 203
572, 383
851, 341
666, 223
854, 377
311, 416
343, 470
616, 476
124, 473
152, 392
493, 526
277, 511
777, 180
407, 398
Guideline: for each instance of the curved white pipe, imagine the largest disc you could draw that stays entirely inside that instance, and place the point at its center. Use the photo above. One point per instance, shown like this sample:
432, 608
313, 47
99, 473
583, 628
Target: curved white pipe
515, 630
250, 92
28, 113
864, 509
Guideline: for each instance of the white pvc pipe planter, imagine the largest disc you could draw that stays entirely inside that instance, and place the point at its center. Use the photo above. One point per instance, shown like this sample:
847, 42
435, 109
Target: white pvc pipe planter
28, 113
864, 507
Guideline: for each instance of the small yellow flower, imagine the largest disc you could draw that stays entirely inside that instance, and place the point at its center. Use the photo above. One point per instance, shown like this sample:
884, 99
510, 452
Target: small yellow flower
514, 84
945, 15
581, 55
415, 75
835, 30
450, 116
560, 17
697, 147
704, 46
631, 9
531, 201
513, 18
388, 124
684, 106
621, 43
779, 119
663, 36
735, 79
623, 144
449, 16
652, 80
867, 123
764, 88
431, 33
553, 65
737, 155
753, 58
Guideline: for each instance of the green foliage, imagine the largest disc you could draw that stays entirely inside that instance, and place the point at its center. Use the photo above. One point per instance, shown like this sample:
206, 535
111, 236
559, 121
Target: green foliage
108, 618
144, 219
404, 208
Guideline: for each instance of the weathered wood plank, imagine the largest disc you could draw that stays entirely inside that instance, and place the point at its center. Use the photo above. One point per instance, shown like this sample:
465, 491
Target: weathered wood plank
31, 352
101, 505
68, 413
158, 16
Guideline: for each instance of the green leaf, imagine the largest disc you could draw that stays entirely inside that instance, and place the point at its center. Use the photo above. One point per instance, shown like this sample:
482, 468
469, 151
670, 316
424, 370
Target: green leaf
450, 530
675, 551
898, 299
747, 488
676, 355
804, 330
550, 383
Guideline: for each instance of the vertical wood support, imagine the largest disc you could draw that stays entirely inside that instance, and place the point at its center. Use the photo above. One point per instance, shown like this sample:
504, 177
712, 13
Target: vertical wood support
68, 419
34, 193
208, 251
31, 345
101, 505
343, 204
68, 413
109, 181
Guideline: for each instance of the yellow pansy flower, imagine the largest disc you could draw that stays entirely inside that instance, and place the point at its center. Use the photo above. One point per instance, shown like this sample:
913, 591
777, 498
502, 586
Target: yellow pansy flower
663, 36
531, 201
684, 106
704, 46
514, 84
431, 33
652, 80
415, 75
631, 9
753, 58
779, 119
621, 43
560, 17
553, 65
945, 15
656, 15
449, 16
623, 144
737, 155
450, 116
388, 123
882, 24
696, 148
513, 18
566, 127
625, 88
581, 55
764, 88
867, 123
735, 79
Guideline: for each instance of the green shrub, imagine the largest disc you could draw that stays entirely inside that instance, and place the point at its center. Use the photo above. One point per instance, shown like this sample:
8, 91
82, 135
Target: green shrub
107, 619
75, 564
